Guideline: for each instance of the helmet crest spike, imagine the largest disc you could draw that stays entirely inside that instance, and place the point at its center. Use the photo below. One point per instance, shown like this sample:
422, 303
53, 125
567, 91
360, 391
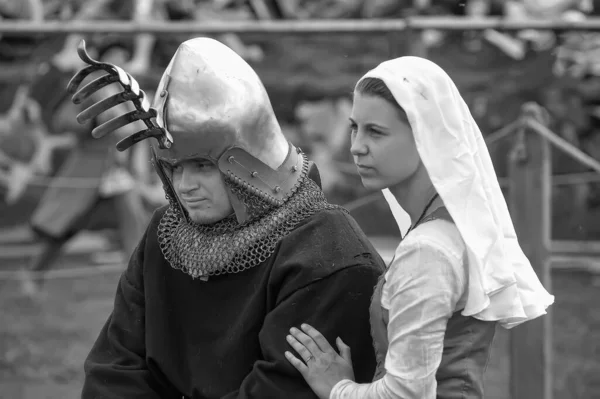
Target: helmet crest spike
131, 92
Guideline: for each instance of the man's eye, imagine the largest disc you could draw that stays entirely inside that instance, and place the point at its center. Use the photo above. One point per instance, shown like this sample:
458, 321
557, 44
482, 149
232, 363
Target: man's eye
167, 167
203, 165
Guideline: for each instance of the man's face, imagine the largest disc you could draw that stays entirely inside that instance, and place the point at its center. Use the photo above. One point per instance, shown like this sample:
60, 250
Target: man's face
200, 187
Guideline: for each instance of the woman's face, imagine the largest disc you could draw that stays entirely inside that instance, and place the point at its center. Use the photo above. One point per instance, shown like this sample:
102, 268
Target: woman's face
383, 144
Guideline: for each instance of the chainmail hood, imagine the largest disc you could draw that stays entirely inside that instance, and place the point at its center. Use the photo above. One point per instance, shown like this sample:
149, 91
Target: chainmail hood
229, 247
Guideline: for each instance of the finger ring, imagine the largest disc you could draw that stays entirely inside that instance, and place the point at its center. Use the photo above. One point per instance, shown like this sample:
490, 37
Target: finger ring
311, 357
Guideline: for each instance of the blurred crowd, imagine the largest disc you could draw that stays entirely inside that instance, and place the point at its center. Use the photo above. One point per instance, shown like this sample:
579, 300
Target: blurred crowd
37, 119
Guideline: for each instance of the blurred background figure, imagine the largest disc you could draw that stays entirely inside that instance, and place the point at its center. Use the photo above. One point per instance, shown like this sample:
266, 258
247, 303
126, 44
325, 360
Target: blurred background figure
70, 205
18, 166
66, 208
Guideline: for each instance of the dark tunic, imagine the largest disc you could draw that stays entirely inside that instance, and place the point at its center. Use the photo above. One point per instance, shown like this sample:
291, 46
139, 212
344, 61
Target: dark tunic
467, 345
170, 335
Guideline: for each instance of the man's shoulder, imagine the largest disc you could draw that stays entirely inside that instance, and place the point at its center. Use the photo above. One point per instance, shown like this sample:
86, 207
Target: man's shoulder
155, 221
325, 243
158, 214
329, 218
330, 226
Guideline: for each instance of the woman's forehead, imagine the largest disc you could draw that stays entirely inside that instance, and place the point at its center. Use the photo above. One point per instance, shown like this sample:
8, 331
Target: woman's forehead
368, 106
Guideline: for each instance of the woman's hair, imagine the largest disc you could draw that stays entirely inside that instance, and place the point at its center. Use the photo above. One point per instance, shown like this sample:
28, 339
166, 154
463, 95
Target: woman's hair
376, 87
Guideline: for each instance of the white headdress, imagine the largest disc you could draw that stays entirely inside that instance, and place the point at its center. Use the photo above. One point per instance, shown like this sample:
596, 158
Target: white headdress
502, 284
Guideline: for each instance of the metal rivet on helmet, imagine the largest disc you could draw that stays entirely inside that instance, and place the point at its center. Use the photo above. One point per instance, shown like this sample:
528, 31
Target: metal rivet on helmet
254, 174
163, 93
277, 189
294, 168
230, 159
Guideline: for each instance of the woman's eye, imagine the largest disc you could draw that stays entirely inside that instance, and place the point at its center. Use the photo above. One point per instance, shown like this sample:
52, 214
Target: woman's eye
353, 129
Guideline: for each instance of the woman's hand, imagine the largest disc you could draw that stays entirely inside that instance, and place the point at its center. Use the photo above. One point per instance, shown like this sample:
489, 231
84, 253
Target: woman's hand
322, 367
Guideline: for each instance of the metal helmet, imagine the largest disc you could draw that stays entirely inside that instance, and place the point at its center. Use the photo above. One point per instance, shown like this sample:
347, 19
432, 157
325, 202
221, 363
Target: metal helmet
210, 100
209, 104
215, 107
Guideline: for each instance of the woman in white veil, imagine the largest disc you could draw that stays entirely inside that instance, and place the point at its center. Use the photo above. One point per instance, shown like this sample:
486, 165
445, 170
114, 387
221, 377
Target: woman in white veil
458, 271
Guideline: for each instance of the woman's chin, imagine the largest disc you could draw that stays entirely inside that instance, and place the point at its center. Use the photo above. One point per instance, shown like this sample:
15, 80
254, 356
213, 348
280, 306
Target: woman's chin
372, 184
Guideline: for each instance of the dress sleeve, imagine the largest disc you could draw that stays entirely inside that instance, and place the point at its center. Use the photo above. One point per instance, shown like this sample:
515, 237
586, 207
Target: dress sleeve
116, 366
334, 312
422, 289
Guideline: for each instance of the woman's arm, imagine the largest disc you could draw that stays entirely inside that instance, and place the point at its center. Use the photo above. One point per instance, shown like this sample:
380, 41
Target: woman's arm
422, 289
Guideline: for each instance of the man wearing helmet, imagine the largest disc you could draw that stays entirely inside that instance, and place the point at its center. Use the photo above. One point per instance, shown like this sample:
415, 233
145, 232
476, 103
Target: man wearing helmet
247, 248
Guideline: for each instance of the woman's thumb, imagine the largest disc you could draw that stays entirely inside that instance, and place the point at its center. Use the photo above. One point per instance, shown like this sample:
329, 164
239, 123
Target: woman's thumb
344, 350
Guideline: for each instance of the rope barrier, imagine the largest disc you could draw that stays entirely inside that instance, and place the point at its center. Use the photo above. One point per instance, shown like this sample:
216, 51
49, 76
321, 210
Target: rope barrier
295, 27
563, 144
503, 132
63, 182
78, 272
362, 201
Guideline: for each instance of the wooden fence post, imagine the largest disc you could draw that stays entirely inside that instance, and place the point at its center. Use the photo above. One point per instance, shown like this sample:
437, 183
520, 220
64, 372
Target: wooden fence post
529, 196
406, 42
416, 45
394, 44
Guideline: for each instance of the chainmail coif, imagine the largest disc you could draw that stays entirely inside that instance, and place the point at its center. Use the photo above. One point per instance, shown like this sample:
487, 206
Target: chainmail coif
228, 247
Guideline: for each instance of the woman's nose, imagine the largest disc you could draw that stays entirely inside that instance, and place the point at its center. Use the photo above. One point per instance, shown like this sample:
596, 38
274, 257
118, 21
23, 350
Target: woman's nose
358, 146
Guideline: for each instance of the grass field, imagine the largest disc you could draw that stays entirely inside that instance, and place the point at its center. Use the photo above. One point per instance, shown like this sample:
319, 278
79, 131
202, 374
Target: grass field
43, 343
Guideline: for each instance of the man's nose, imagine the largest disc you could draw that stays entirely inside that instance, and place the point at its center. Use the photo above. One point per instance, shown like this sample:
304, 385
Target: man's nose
187, 182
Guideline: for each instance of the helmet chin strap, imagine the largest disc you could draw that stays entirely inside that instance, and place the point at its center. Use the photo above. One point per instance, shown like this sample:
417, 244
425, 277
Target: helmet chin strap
167, 184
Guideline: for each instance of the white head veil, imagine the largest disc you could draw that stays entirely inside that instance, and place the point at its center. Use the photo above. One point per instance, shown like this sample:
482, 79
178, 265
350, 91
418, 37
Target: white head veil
502, 284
